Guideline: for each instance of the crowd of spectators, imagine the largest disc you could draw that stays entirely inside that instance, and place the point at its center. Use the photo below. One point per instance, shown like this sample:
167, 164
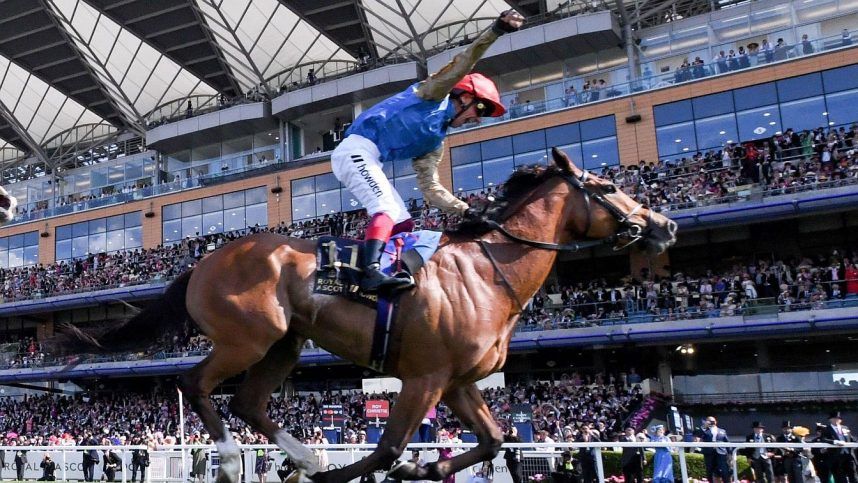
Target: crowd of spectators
561, 408
799, 283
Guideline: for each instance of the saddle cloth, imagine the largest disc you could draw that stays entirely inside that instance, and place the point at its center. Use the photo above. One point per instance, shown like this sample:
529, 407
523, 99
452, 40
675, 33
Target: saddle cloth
337, 259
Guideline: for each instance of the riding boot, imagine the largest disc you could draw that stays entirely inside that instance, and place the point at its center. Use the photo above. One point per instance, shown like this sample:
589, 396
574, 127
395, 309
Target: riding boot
374, 281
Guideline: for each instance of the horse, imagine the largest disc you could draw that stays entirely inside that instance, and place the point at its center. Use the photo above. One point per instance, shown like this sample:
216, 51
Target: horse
254, 298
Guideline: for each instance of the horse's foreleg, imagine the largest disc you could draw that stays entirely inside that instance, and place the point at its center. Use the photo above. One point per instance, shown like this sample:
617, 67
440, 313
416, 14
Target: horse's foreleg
251, 399
197, 384
468, 405
415, 400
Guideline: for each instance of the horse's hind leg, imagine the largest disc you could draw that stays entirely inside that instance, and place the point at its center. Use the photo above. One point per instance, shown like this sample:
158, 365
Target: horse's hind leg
251, 399
198, 383
415, 400
468, 404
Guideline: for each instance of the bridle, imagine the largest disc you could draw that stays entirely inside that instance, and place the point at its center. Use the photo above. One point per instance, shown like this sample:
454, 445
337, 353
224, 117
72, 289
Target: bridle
633, 232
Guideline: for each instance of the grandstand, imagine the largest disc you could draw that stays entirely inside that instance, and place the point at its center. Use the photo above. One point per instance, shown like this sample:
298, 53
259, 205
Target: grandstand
139, 136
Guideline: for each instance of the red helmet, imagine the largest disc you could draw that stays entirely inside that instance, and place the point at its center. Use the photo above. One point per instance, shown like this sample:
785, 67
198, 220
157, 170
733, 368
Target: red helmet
484, 90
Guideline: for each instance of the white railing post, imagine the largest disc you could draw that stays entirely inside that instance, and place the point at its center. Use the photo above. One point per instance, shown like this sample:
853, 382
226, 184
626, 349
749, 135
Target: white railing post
600, 467
683, 465
64, 465
124, 466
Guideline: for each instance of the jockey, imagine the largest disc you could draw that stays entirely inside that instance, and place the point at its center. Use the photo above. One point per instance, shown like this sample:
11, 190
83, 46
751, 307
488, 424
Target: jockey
413, 124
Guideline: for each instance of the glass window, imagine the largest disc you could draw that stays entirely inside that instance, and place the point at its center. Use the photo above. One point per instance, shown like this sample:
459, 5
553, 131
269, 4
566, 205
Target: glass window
325, 182
533, 157
713, 104
468, 153
213, 223
31, 255
841, 79
118, 222
172, 232
804, 114
233, 200
598, 128
387, 169
467, 177
672, 113
16, 257
80, 245
407, 188
328, 202
80, 229
134, 169
133, 237
600, 153
31, 238
191, 208
303, 186
755, 96
529, 141
758, 123
63, 232
256, 195
496, 148
233, 219
172, 212
716, 132
16, 241
97, 226
497, 171
212, 203
133, 219
63, 251
191, 226
116, 238
402, 167
350, 203
800, 87
4, 242
841, 106
676, 140
304, 207
257, 215
562, 135
97, 242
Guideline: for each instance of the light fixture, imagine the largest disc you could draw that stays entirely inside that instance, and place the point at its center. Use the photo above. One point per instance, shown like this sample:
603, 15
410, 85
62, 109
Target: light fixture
685, 349
723, 132
678, 140
767, 114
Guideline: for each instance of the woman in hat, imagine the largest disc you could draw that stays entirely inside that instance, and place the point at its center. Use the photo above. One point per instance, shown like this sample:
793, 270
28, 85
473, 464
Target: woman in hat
662, 462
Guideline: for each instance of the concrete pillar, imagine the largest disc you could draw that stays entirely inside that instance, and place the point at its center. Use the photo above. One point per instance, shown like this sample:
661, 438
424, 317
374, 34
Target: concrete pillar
665, 375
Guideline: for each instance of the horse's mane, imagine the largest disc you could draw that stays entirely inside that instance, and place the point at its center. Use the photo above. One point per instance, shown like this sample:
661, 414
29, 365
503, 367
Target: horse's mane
522, 182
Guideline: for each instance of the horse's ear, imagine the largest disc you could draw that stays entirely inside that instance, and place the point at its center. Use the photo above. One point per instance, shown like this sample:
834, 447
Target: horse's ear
563, 162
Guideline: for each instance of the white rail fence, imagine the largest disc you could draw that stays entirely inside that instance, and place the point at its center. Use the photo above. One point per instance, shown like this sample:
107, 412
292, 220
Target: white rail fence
174, 463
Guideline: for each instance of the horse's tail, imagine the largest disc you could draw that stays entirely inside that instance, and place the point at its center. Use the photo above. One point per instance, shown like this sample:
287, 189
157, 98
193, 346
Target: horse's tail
164, 316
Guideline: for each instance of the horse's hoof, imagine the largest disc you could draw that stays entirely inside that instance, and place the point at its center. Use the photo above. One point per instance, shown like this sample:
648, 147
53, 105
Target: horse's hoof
298, 476
403, 470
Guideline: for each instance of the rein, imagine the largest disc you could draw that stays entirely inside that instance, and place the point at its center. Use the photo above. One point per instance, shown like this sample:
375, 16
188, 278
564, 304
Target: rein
633, 231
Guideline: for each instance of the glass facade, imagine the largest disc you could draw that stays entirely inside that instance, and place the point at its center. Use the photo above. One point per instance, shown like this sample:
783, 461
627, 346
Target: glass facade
592, 144
102, 235
215, 214
805, 102
19, 250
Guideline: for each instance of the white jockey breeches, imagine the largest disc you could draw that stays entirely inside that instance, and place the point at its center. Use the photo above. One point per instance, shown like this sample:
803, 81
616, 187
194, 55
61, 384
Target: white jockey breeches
355, 163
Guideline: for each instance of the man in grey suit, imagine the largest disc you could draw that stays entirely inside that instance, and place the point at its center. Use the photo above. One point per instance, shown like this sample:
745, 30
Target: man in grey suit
715, 458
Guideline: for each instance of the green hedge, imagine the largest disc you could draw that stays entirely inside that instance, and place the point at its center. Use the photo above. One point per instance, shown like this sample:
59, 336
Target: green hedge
696, 467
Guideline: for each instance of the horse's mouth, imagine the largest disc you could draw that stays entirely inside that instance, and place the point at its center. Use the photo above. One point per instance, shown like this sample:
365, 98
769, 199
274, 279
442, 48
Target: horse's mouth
5, 202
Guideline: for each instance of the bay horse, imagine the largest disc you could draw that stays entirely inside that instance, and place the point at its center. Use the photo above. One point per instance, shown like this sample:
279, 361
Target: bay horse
254, 298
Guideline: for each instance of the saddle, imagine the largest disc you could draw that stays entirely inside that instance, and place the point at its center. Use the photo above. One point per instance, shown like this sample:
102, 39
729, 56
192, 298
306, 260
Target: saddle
338, 273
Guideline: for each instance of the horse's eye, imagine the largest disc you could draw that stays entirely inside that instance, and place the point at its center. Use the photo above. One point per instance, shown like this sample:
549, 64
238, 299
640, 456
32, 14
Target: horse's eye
610, 188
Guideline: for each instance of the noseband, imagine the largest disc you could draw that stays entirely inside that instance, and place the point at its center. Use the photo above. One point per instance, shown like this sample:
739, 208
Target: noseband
633, 232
